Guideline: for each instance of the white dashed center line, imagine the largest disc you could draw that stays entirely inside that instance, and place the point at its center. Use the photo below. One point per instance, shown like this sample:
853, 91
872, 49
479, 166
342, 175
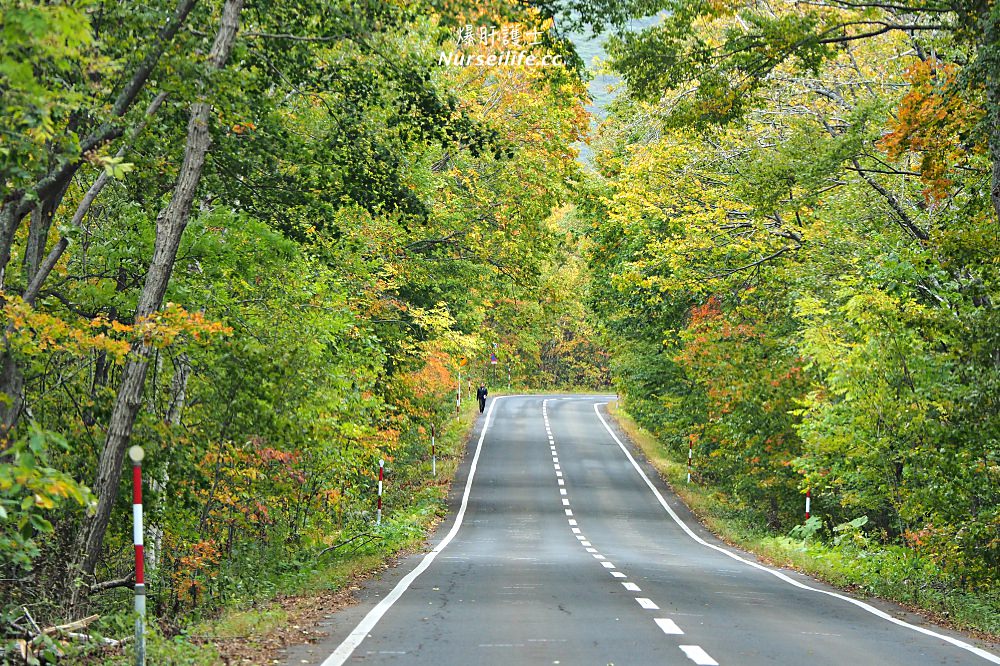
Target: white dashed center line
698, 656
668, 626
693, 652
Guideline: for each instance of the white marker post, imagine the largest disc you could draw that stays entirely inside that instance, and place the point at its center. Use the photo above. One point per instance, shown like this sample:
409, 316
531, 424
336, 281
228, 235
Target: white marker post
434, 462
136, 454
808, 501
381, 475
690, 457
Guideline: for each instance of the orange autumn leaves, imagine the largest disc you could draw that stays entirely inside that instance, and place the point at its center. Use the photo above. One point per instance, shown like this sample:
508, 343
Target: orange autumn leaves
33, 332
936, 119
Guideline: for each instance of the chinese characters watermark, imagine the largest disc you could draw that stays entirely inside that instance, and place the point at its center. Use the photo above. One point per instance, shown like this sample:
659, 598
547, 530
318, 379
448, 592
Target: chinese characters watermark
511, 46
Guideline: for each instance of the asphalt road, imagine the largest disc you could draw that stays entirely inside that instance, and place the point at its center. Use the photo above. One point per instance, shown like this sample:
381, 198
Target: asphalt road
565, 549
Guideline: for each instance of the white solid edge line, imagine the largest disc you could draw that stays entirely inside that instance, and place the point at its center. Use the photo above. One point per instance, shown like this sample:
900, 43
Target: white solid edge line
354, 639
979, 652
696, 654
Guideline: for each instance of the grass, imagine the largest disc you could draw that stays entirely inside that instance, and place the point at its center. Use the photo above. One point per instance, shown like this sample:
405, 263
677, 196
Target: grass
240, 624
890, 572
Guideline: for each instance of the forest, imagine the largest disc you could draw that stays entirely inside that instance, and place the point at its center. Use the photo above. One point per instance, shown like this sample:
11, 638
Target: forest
270, 242
260, 241
794, 250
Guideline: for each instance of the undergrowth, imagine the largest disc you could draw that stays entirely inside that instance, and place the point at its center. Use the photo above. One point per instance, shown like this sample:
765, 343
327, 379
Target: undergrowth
412, 508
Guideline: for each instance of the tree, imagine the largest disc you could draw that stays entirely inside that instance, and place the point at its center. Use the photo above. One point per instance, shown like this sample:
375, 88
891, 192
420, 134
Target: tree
794, 276
56, 129
724, 53
170, 225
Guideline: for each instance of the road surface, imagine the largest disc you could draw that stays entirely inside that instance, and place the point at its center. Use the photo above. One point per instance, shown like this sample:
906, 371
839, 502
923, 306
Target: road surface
565, 548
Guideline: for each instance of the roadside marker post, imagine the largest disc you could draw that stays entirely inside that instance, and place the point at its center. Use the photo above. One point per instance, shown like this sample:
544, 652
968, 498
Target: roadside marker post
808, 501
434, 463
136, 454
381, 476
690, 456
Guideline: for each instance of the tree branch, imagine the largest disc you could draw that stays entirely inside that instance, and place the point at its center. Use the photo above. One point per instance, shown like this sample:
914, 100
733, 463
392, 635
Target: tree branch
886, 27
905, 220
762, 260
127, 581
45, 268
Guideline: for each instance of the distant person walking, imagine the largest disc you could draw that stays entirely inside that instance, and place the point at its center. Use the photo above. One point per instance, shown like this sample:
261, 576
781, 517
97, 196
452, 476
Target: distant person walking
481, 394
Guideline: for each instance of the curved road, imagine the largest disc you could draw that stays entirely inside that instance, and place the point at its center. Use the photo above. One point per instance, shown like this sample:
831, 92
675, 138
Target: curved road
564, 549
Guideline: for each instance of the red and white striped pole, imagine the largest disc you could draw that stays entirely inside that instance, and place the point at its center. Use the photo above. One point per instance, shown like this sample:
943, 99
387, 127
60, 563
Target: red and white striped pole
808, 501
690, 457
136, 454
381, 475
434, 460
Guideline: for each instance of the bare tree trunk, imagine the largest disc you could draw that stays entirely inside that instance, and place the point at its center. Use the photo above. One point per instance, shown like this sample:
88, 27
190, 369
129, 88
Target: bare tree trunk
38, 234
178, 397
178, 389
170, 225
11, 391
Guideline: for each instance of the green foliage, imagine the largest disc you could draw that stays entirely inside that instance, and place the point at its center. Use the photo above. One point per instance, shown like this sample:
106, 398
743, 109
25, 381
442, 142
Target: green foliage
858, 562
807, 530
793, 277
365, 218
41, 46
30, 492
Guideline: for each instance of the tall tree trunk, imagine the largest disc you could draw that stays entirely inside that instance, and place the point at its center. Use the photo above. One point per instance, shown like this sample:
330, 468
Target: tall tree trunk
178, 398
170, 224
38, 235
990, 54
